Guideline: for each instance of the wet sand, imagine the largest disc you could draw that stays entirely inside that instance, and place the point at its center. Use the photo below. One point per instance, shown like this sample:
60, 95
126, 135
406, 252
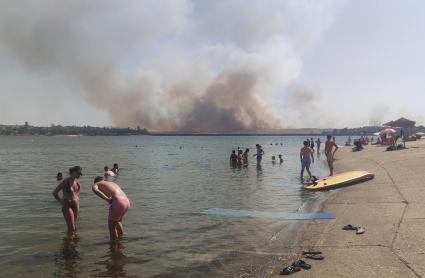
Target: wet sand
391, 207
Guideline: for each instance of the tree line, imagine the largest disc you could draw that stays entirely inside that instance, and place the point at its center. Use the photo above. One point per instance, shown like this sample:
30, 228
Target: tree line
27, 129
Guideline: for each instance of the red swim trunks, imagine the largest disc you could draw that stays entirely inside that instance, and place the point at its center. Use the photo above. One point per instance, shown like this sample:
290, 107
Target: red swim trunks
118, 208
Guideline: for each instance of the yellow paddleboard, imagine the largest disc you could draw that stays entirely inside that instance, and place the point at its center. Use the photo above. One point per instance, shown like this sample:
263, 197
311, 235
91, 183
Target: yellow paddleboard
339, 180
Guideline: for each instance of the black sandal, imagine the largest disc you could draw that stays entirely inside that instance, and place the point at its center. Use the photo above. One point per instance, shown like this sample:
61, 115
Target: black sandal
302, 264
349, 227
289, 270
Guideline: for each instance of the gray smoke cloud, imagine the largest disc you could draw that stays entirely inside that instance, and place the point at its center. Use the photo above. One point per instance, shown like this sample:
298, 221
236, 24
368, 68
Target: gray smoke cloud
209, 66
378, 114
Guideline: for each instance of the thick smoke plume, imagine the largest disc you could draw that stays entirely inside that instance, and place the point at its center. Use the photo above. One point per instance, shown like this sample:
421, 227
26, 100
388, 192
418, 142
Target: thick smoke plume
209, 66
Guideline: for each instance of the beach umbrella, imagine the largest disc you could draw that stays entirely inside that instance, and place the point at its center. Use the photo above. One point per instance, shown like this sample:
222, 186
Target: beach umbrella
387, 131
403, 123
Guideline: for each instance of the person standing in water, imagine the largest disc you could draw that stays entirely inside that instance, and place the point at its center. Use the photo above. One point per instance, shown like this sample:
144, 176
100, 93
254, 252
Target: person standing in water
280, 159
312, 144
70, 201
233, 158
260, 153
318, 143
330, 153
245, 157
119, 204
306, 157
240, 157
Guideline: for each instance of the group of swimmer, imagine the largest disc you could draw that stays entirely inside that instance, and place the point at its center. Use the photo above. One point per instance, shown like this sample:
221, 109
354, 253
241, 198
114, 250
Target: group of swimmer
241, 158
307, 154
111, 173
106, 190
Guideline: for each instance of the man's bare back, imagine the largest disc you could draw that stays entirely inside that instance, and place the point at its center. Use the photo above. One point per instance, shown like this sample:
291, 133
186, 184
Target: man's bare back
110, 189
119, 204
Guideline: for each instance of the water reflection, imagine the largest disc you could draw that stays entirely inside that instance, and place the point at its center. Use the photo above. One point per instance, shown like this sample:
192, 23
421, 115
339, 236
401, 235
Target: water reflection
259, 172
67, 260
235, 167
115, 260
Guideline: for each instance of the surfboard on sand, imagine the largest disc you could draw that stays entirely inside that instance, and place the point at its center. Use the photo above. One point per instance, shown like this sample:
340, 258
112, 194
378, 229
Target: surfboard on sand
338, 180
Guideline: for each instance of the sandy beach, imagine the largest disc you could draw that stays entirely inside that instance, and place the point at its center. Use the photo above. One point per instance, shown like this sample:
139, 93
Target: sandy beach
391, 208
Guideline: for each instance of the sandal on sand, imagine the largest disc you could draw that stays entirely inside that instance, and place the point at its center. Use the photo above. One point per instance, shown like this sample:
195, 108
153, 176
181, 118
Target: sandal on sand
289, 270
349, 227
311, 252
314, 256
360, 230
302, 264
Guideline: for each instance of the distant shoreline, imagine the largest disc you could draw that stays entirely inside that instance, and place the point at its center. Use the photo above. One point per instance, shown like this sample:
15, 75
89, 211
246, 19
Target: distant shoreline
54, 130
191, 134
249, 134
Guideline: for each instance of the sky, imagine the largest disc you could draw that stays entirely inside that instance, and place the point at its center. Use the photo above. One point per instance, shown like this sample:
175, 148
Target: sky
218, 66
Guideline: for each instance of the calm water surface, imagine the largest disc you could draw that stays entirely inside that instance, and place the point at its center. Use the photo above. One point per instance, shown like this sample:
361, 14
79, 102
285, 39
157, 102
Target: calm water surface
165, 233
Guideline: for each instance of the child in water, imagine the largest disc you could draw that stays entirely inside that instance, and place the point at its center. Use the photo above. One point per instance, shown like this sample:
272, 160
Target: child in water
280, 159
240, 157
108, 173
59, 176
245, 157
233, 157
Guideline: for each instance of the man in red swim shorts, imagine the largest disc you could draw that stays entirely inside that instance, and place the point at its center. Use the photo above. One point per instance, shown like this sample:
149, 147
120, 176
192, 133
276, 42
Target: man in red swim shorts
119, 204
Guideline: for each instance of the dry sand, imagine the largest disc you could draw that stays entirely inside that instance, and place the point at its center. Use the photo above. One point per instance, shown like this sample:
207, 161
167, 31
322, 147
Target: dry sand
392, 209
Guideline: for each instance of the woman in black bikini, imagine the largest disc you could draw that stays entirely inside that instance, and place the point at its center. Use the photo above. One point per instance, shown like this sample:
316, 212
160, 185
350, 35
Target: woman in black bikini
70, 202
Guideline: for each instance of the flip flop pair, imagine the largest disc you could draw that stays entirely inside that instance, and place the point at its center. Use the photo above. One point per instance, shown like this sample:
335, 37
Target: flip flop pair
314, 255
295, 267
359, 230
311, 252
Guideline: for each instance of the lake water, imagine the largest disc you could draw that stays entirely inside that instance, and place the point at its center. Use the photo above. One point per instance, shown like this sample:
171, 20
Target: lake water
170, 181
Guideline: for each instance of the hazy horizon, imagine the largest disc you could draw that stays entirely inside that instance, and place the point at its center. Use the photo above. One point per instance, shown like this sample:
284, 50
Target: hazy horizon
212, 66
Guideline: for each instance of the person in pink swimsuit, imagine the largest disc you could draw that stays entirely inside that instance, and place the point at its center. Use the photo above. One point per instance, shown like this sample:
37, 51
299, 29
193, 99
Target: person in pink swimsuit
70, 202
119, 204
